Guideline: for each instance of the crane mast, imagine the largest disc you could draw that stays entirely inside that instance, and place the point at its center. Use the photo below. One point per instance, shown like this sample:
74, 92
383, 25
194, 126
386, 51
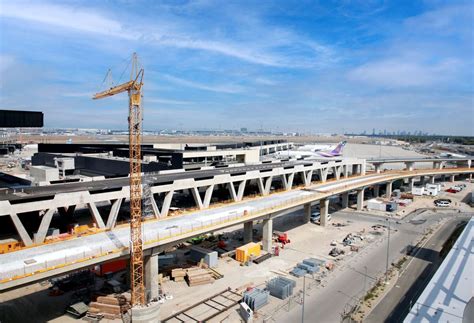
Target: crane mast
134, 89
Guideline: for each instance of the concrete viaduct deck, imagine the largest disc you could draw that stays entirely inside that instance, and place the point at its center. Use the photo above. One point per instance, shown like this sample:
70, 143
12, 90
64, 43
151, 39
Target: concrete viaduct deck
47, 260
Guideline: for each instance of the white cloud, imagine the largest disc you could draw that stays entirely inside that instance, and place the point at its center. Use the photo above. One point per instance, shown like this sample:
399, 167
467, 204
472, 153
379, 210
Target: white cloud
224, 88
404, 72
79, 19
166, 101
178, 33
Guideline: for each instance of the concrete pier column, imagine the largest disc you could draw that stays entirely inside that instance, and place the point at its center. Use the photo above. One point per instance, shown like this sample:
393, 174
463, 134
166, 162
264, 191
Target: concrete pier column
422, 180
376, 190
355, 169
451, 178
345, 200
437, 165
412, 183
151, 277
377, 168
248, 231
470, 177
410, 166
360, 199
267, 238
324, 211
307, 212
432, 179
388, 190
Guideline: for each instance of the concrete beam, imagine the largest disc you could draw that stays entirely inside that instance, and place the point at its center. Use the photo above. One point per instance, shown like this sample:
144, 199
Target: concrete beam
208, 196
151, 277
156, 210
237, 196
345, 200
197, 198
96, 215
323, 174
248, 231
264, 185
324, 211
44, 226
345, 171
166, 204
267, 237
360, 199
288, 182
114, 211
24, 236
306, 176
307, 212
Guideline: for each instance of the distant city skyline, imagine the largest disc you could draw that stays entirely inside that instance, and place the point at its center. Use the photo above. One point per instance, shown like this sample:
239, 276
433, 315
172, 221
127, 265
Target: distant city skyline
292, 66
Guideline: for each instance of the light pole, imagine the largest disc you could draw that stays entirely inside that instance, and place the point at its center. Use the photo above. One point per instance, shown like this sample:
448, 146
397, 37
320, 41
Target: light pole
304, 292
388, 250
365, 279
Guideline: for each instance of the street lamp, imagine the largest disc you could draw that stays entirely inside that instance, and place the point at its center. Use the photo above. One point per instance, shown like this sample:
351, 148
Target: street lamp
388, 250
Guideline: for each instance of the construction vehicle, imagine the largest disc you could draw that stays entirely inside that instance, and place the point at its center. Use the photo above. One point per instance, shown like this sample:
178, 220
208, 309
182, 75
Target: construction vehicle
134, 89
281, 237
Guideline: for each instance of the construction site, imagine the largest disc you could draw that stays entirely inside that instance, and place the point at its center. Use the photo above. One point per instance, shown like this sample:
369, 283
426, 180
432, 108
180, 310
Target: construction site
254, 231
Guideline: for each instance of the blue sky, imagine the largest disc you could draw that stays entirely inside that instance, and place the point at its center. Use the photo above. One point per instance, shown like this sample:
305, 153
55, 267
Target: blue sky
311, 66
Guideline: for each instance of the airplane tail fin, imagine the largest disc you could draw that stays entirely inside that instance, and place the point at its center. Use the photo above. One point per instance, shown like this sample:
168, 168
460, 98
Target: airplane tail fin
339, 147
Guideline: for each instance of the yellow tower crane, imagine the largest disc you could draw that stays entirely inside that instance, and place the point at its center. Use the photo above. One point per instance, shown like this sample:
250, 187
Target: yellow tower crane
134, 89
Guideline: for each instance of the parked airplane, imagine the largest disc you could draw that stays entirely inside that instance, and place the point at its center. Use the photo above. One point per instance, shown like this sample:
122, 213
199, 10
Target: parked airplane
336, 152
315, 148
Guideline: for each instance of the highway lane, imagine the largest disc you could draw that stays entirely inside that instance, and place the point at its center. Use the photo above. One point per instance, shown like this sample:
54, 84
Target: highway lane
347, 284
395, 305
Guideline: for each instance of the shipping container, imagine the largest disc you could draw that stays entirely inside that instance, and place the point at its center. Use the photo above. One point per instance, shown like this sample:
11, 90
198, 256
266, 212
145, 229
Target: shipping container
244, 252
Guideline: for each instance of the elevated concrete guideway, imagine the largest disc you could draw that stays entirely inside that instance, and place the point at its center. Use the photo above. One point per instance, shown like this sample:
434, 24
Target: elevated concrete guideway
438, 162
47, 260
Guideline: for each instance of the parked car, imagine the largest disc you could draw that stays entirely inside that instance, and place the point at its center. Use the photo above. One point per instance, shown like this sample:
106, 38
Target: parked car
442, 203
315, 217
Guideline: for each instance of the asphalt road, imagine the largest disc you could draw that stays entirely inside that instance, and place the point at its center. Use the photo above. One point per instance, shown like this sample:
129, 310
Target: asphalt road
424, 263
350, 280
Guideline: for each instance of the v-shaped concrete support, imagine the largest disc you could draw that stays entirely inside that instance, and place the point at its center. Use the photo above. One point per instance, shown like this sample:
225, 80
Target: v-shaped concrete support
44, 226
24, 236
237, 196
288, 182
264, 185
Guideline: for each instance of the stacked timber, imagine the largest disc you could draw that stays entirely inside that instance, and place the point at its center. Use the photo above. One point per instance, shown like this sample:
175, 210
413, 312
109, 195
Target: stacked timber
178, 274
197, 276
110, 307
